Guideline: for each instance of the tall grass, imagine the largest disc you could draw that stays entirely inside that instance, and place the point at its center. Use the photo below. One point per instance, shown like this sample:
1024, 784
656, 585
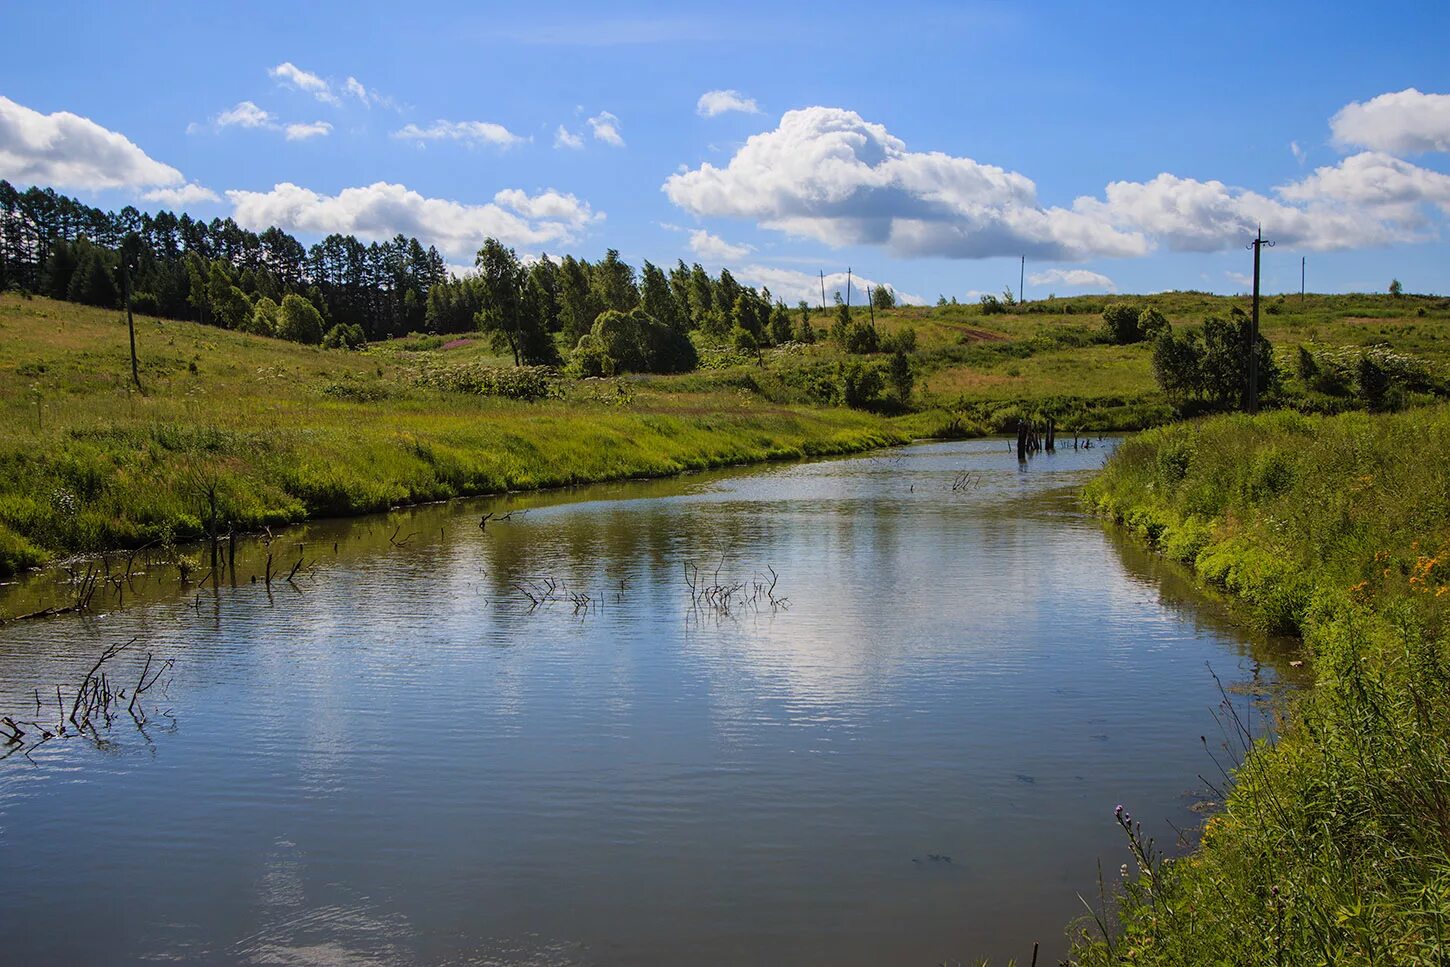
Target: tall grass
1334, 844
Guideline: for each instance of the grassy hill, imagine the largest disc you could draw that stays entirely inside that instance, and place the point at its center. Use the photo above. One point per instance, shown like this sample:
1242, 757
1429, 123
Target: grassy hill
270, 432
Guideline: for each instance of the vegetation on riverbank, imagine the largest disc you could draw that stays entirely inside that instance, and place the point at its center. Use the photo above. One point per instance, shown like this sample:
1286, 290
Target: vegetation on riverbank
283, 432
1334, 843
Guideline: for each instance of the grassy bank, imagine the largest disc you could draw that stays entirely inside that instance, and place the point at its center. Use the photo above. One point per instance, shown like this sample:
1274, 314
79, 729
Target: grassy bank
281, 432
1334, 846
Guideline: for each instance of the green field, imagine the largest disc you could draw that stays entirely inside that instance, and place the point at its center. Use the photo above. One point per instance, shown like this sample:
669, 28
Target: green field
276, 432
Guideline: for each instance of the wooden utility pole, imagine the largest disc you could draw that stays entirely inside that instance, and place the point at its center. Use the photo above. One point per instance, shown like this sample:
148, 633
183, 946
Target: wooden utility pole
1302, 261
823, 290
848, 290
1251, 392
1022, 281
871, 301
128, 252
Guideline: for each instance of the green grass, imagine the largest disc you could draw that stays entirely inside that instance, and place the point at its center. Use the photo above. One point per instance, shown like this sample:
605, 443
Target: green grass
1334, 845
285, 432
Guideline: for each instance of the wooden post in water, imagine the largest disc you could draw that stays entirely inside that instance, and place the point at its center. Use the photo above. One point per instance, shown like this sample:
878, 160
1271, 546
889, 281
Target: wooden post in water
1022, 440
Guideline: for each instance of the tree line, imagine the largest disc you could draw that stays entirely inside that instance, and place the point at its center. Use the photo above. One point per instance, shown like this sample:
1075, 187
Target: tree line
602, 316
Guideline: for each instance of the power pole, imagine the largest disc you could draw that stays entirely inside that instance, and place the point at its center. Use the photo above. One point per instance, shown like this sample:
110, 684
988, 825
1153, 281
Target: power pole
128, 251
1251, 392
823, 290
1302, 261
848, 290
1021, 281
871, 301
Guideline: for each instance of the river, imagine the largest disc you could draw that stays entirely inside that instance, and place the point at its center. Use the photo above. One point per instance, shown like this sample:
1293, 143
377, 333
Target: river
907, 752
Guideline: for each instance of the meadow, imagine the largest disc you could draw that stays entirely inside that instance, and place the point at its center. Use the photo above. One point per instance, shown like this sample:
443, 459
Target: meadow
238, 431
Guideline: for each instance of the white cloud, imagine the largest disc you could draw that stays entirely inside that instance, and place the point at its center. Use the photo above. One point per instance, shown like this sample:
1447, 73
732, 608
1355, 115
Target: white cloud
716, 249
1075, 278
564, 138
1240, 278
382, 210
827, 174
1296, 151
66, 150
712, 103
295, 77
468, 132
792, 286
1405, 122
1394, 188
312, 129
1187, 215
188, 194
606, 129
245, 115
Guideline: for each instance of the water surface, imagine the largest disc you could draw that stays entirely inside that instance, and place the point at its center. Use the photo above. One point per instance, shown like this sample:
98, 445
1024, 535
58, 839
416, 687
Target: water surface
399, 760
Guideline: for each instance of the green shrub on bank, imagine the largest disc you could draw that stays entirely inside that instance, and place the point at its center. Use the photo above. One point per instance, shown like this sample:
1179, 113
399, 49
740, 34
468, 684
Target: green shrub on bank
1334, 844
528, 383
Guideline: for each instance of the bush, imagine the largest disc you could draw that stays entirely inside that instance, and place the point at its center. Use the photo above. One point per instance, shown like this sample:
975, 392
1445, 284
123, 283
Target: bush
901, 341
1120, 320
992, 306
589, 358
1151, 323
344, 336
299, 321
263, 321
860, 384
528, 383
861, 338
633, 342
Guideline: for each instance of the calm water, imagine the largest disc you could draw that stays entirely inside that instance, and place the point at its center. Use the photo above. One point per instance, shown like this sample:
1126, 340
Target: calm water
401, 762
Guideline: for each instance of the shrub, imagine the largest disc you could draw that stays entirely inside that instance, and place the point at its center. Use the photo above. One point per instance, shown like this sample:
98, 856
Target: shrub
1120, 320
263, 321
860, 384
344, 336
299, 320
861, 338
992, 306
510, 382
901, 341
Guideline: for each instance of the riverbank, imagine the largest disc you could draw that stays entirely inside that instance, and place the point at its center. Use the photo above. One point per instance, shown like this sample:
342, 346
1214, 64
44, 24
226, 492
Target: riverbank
1334, 843
241, 431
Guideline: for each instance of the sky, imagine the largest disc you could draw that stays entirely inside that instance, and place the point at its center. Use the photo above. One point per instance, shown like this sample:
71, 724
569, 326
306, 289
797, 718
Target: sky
926, 146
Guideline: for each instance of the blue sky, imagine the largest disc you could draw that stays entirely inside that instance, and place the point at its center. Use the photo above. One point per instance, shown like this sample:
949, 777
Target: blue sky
924, 145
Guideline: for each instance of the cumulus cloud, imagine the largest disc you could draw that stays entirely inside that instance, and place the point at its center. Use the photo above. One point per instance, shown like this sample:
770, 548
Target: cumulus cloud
468, 132
828, 174
716, 249
1406, 122
295, 77
606, 128
791, 285
1395, 188
712, 103
312, 129
564, 138
382, 210
69, 151
1074, 278
188, 194
1188, 215
245, 115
